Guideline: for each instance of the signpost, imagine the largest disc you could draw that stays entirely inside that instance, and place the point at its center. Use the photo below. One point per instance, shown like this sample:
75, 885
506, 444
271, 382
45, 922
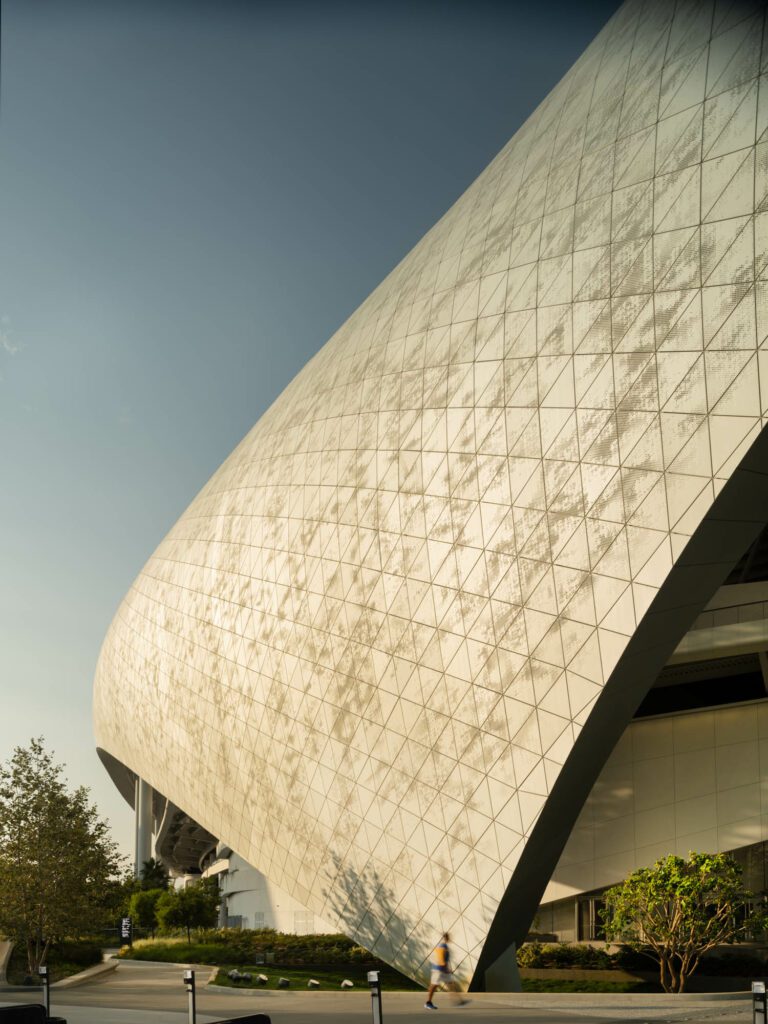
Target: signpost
126, 930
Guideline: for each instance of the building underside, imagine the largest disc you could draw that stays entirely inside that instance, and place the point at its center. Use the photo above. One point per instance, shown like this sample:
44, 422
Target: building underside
484, 572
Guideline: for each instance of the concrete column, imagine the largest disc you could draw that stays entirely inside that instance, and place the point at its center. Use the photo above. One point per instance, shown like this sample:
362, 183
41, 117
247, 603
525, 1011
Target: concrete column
143, 809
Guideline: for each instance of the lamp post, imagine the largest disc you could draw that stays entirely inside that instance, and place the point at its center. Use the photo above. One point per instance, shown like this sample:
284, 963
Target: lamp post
46, 980
189, 981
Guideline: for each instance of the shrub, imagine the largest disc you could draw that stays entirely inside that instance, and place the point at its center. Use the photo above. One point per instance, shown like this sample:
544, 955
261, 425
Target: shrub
84, 953
560, 954
734, 965
530, 954
219, 946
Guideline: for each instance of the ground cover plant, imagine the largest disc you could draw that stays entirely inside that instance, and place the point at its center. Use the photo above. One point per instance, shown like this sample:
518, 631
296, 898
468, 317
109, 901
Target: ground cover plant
586, 985
220, 946
327, 958
63, 960
329, 978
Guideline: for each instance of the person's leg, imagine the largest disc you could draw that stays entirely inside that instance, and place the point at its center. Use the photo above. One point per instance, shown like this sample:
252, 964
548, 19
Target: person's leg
456, 995
430, 992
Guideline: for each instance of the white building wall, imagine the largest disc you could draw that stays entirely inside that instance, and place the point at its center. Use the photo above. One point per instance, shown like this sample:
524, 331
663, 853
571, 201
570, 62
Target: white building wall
252, 901
365, 653
697, 780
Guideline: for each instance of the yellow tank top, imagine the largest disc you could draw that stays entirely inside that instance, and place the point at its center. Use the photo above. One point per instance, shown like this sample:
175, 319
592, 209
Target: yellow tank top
440, 955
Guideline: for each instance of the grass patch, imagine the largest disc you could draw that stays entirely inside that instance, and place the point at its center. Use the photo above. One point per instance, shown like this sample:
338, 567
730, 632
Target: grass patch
177, 951
329, 978
63, 961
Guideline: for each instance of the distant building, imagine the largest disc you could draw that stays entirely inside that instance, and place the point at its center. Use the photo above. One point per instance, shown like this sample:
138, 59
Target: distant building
249, 900
393, 653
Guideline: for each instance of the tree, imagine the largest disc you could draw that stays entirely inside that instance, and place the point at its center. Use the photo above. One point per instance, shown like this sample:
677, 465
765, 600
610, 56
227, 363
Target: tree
153, 874
196, 906
57, 859
143, 908
677, 910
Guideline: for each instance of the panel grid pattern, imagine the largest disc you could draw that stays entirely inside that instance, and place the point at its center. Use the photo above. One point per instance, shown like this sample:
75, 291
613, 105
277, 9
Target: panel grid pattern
363, 654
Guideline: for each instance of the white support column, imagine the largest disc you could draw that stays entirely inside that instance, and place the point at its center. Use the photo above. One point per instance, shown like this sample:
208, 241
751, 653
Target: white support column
143, 809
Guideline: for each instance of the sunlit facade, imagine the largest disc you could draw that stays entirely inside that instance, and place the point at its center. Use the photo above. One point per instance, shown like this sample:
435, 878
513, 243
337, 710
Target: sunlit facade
387, 651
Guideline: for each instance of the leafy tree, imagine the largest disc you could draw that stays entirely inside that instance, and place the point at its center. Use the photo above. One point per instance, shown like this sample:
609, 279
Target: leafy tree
57, 859
143, 908
677, 910
196, 906
153, 874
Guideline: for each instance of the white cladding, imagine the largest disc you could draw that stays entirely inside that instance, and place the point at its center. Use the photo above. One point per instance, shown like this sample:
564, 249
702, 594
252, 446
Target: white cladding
252, 901
691, 781
363, 654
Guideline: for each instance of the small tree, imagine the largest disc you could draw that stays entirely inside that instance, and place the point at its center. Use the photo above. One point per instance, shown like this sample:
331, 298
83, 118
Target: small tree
196, 906
118, 894
153, 874
143, 908
57, 859
677, 910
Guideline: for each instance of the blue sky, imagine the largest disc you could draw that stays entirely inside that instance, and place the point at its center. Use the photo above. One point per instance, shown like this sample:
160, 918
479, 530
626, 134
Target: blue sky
193, 197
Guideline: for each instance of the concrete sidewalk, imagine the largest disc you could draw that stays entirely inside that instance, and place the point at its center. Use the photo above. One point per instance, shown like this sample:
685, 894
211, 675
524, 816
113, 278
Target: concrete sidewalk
145, 993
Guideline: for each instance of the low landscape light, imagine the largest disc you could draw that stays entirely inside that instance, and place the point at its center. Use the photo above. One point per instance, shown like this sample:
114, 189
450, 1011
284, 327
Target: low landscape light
189, 981
43, 972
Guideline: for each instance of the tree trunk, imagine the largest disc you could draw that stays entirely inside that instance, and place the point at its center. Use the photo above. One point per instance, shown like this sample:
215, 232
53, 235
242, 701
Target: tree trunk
663, 972
189, 937
674, 980
37, 950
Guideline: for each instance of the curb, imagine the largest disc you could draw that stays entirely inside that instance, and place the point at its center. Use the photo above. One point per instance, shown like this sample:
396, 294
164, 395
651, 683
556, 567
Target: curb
83, 977
656, 1000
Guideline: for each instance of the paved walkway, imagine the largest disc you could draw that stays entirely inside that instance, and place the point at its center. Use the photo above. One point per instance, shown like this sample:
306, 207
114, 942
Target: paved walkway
142, 993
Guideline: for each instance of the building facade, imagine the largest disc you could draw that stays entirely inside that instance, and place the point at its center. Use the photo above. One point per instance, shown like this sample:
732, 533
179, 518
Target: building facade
388, 650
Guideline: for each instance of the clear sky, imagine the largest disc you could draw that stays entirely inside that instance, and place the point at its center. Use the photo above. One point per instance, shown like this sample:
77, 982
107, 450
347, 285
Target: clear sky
193, 197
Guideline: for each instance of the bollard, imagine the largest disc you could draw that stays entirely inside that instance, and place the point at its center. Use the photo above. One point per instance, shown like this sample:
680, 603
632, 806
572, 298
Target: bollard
189, 981
759, 1003
373, 981
46, 979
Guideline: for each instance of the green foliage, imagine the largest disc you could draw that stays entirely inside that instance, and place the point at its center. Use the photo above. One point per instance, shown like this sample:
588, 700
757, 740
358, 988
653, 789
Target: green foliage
679, 909
63, 960
196, 906
142, 909
234, 946
734, 965
117, 895
329, 978
535, 954
57, 859
581, 985
153, 875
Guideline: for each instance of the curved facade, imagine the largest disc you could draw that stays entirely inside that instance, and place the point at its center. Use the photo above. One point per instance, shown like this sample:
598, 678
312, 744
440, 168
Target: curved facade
386, 651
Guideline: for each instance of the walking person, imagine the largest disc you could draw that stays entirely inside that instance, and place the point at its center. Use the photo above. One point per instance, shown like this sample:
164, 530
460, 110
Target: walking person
441, 973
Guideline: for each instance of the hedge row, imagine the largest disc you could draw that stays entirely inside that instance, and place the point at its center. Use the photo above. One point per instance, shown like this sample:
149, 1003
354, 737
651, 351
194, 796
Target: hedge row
250, 946
561, 954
